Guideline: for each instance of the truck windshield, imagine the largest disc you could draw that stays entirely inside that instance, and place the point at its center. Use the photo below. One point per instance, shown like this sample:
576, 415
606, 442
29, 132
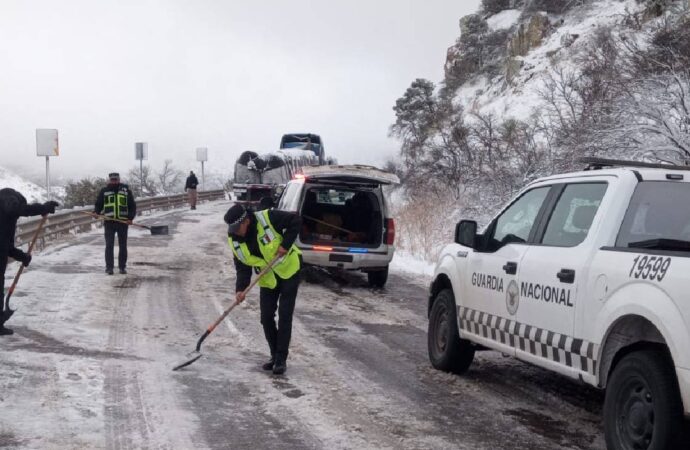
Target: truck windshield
658, 217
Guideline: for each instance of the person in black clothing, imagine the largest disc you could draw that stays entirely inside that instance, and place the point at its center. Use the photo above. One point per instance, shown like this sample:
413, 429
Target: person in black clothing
243, 229
116, 202
190, 189
12, 206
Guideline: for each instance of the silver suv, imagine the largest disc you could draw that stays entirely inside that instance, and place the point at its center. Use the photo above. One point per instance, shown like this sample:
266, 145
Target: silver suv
345, 219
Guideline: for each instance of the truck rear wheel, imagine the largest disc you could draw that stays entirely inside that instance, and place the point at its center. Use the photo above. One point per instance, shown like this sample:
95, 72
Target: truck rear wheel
642, 409
378, 278
447, 351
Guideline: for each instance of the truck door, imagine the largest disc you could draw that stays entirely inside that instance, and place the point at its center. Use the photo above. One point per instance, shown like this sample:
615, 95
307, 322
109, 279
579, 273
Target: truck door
492, 270
553, 278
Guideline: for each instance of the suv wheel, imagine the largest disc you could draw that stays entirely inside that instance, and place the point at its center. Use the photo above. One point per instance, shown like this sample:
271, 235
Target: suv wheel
378, 278
642, 409
447, 351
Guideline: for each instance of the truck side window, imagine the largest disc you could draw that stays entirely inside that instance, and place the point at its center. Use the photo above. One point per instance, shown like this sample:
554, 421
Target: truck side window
516, 222
657, 210
574, 213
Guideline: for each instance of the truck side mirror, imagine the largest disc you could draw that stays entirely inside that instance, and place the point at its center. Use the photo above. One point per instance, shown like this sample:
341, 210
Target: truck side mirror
466, 233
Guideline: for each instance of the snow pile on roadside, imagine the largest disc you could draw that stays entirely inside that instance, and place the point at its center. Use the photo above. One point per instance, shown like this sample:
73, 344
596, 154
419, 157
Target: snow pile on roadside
404, 262
32, 191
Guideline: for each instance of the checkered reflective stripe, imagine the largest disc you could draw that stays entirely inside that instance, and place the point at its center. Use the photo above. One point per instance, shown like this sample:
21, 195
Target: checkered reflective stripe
576, 353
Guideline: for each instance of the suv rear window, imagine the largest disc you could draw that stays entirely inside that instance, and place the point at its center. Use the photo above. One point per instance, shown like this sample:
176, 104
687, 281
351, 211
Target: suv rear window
658, 210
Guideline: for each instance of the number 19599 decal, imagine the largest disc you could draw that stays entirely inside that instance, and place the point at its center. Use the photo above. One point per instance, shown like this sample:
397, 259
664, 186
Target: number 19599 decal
650, 267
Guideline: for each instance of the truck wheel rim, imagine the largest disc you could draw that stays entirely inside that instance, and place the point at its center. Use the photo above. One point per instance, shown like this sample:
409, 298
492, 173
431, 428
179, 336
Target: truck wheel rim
441, 335
635, 419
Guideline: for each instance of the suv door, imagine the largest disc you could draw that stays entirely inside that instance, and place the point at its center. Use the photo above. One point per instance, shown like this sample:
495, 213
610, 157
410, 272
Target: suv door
553, 278
291, 196
492, 271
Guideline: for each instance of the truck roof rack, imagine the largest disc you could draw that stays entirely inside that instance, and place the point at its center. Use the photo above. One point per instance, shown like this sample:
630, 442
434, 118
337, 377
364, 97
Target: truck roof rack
601, 163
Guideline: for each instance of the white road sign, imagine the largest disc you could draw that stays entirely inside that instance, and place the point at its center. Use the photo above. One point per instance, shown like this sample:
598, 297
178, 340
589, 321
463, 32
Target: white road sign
47, 142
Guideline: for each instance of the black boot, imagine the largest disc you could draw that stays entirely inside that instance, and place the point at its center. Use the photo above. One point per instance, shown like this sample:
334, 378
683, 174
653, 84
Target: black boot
109, 270
5, 331
269, 364
280, 365
123, 271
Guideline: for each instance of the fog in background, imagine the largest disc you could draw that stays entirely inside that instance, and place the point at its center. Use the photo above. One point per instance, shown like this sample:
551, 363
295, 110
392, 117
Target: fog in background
227, 75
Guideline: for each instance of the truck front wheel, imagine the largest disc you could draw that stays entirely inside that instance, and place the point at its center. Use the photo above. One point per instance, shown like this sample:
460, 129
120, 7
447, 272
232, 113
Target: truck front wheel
642, 409
447, 351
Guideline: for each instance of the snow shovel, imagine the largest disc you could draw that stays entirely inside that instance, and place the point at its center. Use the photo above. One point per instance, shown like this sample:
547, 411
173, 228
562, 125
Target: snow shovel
154, 229
196, 354
6, 311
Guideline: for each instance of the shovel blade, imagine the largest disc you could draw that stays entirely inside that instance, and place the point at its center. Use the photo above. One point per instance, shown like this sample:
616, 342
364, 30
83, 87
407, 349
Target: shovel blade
191, 358
159, 230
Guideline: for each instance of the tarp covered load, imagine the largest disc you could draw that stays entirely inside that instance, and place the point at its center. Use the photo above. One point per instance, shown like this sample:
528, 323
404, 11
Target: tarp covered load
272, 168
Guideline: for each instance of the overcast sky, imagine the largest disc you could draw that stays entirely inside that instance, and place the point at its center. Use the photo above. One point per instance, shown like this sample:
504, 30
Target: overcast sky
227, 75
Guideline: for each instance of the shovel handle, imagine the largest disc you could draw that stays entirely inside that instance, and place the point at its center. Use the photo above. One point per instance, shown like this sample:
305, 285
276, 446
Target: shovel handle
235, 303
34, 238
111, 219
335, 227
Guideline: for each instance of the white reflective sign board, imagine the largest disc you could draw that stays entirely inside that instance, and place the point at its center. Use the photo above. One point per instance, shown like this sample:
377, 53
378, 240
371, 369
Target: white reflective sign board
47, 142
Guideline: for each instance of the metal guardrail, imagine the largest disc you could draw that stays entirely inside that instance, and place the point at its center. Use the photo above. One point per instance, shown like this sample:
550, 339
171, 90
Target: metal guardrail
68, 220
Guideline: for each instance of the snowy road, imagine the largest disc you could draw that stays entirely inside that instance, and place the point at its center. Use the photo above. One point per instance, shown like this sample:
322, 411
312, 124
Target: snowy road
90, 363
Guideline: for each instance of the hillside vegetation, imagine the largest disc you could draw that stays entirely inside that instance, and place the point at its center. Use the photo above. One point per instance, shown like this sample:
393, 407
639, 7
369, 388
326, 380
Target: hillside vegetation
530, 86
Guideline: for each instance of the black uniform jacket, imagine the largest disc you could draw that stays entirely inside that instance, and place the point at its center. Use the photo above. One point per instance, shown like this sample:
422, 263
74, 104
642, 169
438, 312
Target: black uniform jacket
12, 206
191, 183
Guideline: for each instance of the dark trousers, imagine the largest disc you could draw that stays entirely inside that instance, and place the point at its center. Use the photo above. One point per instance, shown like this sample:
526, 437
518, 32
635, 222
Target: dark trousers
3, 267
112, 228
281, 298
4, 254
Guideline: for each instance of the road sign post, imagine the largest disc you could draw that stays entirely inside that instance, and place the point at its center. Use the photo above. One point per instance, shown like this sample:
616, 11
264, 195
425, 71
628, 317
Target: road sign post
202, 157
141, 152
47, 145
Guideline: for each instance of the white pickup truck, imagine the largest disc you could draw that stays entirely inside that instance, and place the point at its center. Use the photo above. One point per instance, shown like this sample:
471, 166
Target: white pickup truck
586, 274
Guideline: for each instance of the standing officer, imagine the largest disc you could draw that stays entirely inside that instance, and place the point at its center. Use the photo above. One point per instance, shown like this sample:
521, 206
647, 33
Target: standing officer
116, 202
12, 206
190, 188
256, 238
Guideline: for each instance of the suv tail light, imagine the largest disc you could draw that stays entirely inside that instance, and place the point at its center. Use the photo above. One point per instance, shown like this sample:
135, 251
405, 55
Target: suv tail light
390, 231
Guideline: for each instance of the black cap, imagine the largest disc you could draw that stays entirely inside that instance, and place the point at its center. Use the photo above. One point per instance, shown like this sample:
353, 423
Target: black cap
234, 217
113, 175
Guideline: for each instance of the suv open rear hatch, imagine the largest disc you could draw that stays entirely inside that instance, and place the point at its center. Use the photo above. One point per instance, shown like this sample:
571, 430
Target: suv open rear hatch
353, 174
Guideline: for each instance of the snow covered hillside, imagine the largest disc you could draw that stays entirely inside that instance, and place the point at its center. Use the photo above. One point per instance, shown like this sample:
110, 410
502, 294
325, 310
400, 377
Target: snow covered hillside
530, 87
32, 191
541, 44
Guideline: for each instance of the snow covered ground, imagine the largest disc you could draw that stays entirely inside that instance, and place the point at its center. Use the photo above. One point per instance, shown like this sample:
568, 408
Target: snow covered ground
409, 264
90, 363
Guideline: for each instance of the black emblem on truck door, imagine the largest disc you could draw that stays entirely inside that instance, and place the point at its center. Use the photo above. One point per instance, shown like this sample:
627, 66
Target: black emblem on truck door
512, 297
